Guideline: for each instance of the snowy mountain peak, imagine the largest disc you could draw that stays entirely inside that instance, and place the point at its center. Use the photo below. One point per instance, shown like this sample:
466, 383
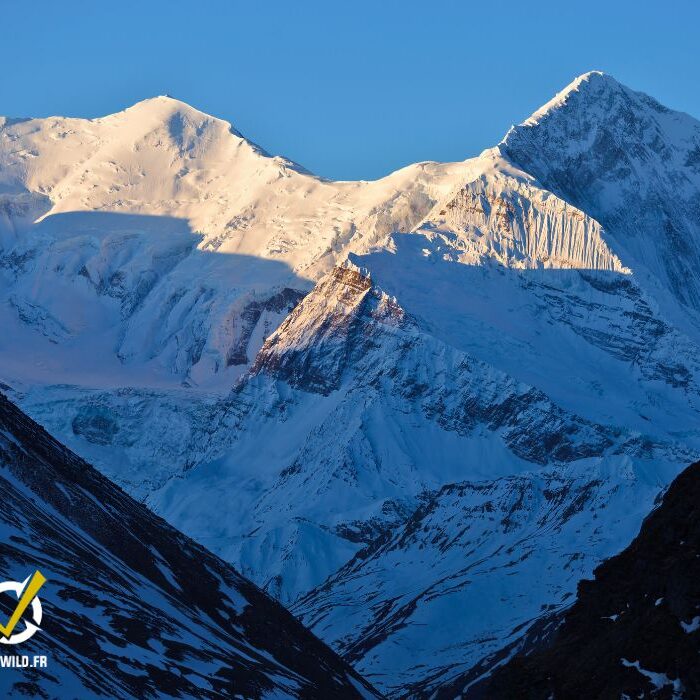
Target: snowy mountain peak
589, 85
162, 105
630, 163
597, 100
165, 100
165, 108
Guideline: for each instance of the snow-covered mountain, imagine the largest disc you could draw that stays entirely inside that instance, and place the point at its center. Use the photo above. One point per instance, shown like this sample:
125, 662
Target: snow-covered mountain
393, 404
634, 631
131, 607
633, 165
473, 573
161, 244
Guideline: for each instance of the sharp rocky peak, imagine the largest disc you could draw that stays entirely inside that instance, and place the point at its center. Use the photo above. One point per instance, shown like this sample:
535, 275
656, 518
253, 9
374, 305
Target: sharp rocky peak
623, 158
587, 88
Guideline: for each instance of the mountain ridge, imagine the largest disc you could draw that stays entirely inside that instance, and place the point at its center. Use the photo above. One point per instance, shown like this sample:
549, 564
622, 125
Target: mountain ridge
485, 344
633, 629
175, 105
132, 607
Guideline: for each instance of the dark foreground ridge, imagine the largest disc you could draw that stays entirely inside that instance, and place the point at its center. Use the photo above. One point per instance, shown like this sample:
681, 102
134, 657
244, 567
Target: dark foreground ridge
634, 631
131, 607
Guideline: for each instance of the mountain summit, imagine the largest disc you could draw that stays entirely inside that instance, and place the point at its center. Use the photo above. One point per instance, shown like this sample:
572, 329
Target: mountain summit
633, 165
589, 87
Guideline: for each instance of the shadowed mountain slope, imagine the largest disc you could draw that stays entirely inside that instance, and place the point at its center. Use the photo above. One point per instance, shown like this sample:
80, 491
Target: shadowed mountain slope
634, 631
131, 607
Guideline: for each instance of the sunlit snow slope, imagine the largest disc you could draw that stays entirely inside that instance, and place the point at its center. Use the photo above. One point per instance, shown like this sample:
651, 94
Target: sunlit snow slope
161, 240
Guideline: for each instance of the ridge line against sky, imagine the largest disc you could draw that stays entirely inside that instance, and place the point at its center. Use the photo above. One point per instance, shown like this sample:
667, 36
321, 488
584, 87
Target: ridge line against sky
350, 92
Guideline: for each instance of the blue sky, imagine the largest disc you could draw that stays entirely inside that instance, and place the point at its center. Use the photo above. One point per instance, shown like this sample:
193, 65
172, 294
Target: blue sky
348, 89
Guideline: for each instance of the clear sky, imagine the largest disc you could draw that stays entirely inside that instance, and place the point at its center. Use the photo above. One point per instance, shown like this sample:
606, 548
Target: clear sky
349, 89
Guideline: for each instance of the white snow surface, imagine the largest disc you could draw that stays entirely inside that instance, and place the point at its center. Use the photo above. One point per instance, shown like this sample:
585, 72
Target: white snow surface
692, 626
658, 680
493, 373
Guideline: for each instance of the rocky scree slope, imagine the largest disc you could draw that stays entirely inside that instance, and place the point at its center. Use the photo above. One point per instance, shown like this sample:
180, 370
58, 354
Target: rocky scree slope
634, 630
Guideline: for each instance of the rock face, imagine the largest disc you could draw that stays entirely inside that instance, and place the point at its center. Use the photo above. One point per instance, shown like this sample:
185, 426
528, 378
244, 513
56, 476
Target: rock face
131, 607
634, 631
481, 557
389, 404
630, 163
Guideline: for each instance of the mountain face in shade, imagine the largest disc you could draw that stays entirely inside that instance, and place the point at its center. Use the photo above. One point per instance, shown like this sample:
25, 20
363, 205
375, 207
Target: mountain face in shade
630, 163
418, 410
132, 608
634, 631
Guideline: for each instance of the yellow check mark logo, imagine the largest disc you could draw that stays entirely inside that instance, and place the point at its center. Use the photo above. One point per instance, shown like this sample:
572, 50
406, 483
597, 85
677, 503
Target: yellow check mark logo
28, 594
